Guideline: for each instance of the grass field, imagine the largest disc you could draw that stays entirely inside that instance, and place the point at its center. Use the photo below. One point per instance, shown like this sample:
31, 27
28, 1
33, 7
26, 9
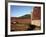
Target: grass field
24, 27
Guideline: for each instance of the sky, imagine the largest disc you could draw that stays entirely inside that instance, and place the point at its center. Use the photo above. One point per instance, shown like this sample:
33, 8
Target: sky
17, 11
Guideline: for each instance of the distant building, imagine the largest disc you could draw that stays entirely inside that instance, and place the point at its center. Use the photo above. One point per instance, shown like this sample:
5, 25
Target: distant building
36, 16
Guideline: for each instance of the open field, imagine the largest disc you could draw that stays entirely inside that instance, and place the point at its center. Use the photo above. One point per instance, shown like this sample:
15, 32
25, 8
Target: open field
24, 27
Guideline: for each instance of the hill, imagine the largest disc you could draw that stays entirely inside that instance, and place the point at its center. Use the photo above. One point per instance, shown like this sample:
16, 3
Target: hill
25, 16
